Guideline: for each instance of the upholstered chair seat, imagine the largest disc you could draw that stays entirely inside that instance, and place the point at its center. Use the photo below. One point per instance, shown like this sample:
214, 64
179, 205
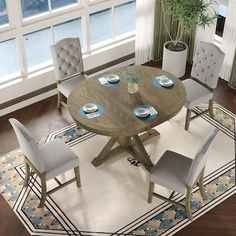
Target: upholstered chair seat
180, 173
172, 171
196, 94
46, 160
57, 158
66, 86
205, 71
68, 66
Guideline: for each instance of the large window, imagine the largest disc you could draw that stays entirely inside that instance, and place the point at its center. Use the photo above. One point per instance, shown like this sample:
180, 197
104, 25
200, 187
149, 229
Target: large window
100, 26
222, 12
35, 7
29, 27
9, 63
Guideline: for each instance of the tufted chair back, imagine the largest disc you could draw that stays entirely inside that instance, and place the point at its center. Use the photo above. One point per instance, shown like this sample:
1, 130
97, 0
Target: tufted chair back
207, 64
201, 157
67, 58
28, 145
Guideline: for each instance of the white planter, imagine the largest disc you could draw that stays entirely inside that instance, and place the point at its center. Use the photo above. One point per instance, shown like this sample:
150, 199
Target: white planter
174, 62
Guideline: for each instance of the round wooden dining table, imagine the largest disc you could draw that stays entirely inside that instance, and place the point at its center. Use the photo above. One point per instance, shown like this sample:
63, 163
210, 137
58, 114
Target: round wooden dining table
117, 119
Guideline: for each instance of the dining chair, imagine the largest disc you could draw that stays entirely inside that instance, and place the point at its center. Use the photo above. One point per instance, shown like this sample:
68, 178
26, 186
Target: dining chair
200, 88
47, 160
68, 64
180, 174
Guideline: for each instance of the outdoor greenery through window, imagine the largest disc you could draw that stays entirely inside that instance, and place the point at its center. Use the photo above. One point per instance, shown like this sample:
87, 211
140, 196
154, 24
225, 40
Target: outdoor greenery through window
29, 27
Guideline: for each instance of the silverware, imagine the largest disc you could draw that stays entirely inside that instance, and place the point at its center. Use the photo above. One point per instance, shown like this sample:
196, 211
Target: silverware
152, 111
103, 80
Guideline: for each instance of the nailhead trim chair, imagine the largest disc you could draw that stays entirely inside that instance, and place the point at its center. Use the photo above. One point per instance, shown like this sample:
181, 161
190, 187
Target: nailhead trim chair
200, 87
68, 64
180, 173
47, 160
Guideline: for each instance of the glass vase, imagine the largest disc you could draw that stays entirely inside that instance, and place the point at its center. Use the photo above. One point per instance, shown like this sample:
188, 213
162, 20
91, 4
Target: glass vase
132, 88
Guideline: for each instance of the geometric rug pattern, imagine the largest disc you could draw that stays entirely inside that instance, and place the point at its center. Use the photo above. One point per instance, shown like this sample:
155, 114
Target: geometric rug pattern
165, 219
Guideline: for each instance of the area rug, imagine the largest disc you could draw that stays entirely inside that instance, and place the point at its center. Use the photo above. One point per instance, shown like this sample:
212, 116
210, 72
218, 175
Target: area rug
113, 196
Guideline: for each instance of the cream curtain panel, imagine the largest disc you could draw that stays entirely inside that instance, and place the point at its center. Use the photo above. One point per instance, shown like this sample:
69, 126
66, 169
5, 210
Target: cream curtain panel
232, 79
144, 31
229, 40
161, 36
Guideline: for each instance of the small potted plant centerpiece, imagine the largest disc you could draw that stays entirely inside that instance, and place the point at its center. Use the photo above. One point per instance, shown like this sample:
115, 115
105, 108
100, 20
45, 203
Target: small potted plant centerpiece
185, 15
133, 80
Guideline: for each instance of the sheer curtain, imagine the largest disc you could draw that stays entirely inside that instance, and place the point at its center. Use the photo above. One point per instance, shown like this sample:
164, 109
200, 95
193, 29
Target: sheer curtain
229, 40
144, 31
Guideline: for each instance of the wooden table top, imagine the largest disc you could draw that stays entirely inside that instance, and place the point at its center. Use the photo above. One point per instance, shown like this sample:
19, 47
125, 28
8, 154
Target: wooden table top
118, 119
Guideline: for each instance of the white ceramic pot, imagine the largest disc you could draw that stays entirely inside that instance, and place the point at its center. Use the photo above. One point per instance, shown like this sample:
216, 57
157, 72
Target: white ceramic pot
174, 62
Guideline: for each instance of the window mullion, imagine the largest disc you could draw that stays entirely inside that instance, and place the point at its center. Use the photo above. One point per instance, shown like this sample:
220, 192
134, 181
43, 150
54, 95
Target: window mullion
50, 6
15, 16
85, 26
113, 22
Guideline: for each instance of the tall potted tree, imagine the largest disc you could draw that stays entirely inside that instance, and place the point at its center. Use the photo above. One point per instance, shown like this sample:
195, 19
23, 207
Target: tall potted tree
185, 16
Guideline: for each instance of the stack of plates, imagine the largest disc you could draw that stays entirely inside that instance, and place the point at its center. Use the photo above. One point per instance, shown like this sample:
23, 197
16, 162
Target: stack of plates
112, 78
142, 112
90, 107
165, 81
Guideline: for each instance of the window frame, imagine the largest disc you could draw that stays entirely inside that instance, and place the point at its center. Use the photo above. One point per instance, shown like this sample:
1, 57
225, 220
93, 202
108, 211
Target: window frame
218, 39
19, 26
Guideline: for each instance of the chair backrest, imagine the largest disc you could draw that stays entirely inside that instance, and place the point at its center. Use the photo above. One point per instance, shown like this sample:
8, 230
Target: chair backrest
67, 58
200, 158
207, 63
28, 145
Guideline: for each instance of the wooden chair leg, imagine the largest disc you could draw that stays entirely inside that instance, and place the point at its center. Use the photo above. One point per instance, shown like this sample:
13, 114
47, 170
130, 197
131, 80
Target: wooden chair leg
58, 100
27, 174
77, 176
44, 191
187, 120
188, 203
201, 186
211, 113
150, 191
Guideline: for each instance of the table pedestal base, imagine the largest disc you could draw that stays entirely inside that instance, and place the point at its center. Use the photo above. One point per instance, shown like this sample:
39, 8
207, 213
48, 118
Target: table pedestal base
133, 145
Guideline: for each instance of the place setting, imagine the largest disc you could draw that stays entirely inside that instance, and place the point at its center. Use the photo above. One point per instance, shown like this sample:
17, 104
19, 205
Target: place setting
163, 81
91, 110
109, 80
145, 112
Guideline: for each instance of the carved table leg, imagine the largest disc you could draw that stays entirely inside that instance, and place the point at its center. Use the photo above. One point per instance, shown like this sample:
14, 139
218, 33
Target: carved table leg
141, 153
105, 153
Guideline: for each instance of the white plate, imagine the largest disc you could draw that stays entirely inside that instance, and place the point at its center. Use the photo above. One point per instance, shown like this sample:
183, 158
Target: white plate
112, 78
142, 112
167, 83
90, 107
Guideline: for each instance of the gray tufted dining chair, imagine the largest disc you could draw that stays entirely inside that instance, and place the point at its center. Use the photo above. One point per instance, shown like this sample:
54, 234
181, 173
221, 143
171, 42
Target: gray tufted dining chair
47, 160
68, 63
200, 87
180, 173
